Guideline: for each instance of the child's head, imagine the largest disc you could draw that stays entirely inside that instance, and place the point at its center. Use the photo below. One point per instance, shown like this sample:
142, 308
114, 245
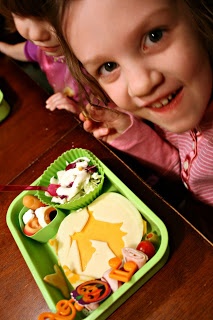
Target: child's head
152, 58
30, 20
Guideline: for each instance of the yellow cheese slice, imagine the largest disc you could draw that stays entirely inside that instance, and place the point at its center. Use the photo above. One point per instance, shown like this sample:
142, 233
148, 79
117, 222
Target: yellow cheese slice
74, 222
88, 238
73, 258
75, 279
115, 208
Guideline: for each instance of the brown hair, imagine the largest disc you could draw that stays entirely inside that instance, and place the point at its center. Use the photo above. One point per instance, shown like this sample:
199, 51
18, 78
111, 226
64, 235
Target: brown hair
76, 68
202, 14
53, 11
40, 9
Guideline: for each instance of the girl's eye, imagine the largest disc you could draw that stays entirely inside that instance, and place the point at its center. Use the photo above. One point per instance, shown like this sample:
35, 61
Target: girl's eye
107, 68
153, 37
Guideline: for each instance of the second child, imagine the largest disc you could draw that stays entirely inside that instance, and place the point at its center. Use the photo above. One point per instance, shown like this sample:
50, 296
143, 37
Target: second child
42, 46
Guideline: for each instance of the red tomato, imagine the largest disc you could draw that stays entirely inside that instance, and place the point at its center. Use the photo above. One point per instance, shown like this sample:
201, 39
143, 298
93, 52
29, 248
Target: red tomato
147, 247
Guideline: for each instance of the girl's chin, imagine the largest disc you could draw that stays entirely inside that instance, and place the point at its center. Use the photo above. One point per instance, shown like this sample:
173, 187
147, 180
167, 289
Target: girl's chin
53, 54
178, 128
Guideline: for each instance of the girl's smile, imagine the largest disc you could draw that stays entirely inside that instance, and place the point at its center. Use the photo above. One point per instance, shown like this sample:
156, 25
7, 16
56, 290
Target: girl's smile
153, 65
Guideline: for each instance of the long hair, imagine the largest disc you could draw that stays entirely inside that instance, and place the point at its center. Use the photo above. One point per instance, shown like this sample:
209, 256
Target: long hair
83, 78
53, 11
40, 9
202, 15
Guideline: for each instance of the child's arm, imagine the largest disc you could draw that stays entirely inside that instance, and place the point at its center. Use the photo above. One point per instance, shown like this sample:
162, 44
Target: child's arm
134, 137
15, 51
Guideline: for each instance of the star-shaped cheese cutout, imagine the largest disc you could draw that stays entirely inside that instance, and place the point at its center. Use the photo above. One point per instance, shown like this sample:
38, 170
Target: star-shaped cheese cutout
100, 231
89, 237
57, 280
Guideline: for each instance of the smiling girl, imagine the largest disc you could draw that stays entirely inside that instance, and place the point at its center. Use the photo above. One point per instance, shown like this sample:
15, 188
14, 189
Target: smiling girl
153, 59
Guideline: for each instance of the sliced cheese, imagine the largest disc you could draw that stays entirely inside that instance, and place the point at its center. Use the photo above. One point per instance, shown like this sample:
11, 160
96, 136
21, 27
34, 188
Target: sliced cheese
88, 238
113, 207
74, 222
75, 279
73, 258
99, 262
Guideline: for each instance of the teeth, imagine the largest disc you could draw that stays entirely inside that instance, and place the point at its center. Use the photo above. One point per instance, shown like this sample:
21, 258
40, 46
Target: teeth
157, 105
162, 102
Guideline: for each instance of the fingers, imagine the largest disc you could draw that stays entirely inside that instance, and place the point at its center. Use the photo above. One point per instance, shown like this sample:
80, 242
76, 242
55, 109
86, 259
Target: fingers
98, 131
101, 133
106, 131
60, 101
90, 125
82, 117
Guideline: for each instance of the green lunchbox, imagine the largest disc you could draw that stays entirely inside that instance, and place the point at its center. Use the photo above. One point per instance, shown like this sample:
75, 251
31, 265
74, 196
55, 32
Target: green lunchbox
4, 107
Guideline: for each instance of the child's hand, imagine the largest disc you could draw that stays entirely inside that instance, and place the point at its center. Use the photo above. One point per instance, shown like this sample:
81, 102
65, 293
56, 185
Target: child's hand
60, 101
106, 131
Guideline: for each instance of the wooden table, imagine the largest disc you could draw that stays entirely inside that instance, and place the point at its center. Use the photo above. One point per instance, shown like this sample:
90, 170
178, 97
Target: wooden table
30, 139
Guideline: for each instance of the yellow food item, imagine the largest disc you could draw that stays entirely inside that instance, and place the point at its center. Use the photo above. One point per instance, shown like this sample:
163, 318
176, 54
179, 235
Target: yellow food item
54, 245
74, 278
32, 202
69, 92
57, 280
88, 238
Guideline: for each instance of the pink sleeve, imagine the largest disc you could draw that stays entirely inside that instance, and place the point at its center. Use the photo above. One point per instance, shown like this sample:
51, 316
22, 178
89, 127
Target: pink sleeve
143, 143
30, 51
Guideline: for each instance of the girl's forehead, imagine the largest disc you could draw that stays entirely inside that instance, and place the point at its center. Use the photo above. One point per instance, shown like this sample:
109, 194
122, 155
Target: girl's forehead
97, 23
105, 13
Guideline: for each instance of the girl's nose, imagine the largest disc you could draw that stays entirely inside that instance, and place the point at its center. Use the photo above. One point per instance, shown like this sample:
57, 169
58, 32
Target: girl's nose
142, 81
37, 31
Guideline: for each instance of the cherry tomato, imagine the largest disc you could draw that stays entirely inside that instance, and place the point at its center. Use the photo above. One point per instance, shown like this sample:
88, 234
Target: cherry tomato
147, 247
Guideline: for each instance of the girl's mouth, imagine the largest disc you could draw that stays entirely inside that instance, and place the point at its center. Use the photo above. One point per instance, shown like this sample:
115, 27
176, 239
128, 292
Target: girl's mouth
49, 49
165, 101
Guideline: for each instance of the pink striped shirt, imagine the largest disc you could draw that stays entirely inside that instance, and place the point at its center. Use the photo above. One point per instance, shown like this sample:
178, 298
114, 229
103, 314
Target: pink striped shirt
189, 154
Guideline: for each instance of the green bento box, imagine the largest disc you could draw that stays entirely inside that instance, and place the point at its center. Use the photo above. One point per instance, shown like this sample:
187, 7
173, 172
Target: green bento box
4, 107
39, 268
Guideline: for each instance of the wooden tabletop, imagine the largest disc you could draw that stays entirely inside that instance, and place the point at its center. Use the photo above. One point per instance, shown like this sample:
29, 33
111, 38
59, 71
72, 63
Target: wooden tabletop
30, 139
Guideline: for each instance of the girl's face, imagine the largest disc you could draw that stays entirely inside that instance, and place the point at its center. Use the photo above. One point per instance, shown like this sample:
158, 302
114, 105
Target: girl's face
146, 55
40, 33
